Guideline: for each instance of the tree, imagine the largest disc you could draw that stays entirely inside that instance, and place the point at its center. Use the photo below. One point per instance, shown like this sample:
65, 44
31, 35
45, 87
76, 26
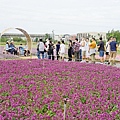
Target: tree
47, 36
3, 39
114, 33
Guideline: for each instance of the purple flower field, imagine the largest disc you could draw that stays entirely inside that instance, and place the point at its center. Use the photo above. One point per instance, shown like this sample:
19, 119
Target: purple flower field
35, 90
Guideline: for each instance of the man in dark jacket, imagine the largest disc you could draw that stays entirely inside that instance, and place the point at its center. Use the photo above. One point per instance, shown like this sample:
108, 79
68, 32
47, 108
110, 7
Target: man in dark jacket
101, 50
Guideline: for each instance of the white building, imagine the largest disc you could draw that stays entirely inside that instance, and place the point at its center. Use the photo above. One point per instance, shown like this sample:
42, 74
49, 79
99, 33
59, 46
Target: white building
90, 35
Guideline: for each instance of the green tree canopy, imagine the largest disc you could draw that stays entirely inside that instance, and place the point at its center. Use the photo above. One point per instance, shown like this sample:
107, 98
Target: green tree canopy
114, 33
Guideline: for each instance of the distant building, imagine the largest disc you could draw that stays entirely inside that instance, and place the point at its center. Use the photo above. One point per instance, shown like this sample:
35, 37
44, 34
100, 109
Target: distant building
58, 37
65, 37
90, 35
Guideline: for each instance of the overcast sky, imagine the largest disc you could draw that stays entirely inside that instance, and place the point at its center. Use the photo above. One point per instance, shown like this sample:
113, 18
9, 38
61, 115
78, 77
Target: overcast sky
62, 16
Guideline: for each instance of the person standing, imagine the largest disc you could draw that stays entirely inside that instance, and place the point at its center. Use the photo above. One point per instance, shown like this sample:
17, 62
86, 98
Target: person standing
107, 50
92, 50
50, 50
70, 51
83, 47
73, 51
101, 50
113, 50
80, 51
87, 50
45, 50
62, 50
40, 49
77, 50
58, 49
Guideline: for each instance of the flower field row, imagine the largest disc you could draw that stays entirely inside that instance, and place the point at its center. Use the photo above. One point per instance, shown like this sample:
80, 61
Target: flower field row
35, 90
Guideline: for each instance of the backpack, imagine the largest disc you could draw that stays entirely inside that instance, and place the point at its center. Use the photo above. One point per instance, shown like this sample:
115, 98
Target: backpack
50, 47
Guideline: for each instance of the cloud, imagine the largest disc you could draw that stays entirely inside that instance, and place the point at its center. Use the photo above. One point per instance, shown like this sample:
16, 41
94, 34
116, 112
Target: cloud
68, 16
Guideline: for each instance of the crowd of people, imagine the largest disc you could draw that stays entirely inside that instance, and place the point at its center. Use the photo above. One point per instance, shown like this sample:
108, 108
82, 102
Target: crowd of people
12, 49
79, 50
49, 50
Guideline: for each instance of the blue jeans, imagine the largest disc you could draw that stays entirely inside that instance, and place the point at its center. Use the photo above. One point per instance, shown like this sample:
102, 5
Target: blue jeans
21, 50
101, 53
40, 52
45, 54
80, 54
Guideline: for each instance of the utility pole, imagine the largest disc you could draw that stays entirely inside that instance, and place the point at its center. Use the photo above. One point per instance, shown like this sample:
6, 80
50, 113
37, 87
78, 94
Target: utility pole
53, 34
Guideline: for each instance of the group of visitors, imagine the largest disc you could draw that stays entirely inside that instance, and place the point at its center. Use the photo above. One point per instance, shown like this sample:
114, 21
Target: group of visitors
23, 50
82, 50
86, 50
12, 49
49, 50
79, 50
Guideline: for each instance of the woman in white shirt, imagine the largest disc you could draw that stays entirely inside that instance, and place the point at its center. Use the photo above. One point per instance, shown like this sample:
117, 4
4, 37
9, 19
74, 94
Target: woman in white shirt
62, 50
107, 50
83, 47
7, 47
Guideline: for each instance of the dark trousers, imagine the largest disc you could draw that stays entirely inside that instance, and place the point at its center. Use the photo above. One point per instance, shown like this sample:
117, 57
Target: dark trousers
13, 51
50, 54
69, 54
57, 52
80, 54
77, 54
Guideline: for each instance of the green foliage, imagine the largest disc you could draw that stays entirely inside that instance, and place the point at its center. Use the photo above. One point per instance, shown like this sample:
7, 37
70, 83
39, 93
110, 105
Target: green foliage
36, 39
5, 94
43, 110
50, 113
3, 39
83, 100
0, 86
17, 39
47, 36
22, 107
97, 94
117, 117
13, 118
114, 33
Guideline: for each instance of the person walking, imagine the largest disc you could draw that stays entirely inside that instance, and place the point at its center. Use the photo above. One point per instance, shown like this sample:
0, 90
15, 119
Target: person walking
101, 50
113, 51
40, 49
92, 50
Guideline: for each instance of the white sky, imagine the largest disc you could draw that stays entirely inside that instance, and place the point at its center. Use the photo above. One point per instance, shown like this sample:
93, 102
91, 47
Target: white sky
62, 16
